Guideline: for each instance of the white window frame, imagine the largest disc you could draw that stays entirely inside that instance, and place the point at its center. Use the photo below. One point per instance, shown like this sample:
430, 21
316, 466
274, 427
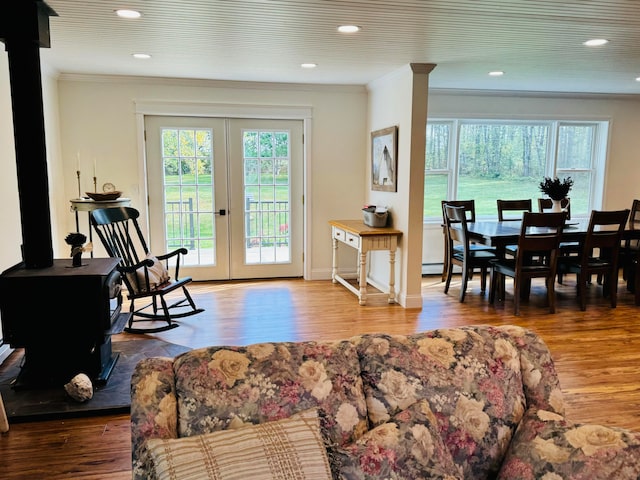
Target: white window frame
598, 158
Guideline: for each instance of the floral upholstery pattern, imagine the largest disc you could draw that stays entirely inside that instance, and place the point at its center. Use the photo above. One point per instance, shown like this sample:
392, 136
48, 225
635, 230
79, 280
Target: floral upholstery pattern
546, 446
407, 446
475, 403
222, 386
472, 379
153, 408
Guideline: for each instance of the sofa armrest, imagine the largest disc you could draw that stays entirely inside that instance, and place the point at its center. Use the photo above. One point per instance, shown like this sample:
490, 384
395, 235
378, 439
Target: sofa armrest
154, 411
539, 377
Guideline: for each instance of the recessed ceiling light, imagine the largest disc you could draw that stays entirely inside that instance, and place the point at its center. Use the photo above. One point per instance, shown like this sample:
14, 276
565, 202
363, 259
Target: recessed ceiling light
349, 28
496, 73
143, 56
308, 65
596, 42
128, 13
637, 79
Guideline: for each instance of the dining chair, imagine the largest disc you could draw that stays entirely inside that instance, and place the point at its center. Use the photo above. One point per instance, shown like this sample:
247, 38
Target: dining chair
629, 247
633, 276
599, 254
519, 206
566, 248
545, 205
470, 214
536, 257
461, 252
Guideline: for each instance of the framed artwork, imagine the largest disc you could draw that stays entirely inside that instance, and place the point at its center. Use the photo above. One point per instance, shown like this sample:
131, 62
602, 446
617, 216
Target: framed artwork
384, 159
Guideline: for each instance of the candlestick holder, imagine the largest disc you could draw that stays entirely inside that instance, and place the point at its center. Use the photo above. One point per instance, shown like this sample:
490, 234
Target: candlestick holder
95, 184
78, 177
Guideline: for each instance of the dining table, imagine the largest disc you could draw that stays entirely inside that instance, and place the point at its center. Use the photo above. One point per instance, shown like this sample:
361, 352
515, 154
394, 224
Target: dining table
499, 234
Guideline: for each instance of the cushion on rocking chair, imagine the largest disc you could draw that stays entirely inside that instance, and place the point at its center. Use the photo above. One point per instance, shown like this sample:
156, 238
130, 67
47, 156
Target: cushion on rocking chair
158, 274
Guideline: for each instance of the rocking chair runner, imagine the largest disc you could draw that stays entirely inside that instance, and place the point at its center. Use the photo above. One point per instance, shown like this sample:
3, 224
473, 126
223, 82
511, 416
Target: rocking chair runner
145, 276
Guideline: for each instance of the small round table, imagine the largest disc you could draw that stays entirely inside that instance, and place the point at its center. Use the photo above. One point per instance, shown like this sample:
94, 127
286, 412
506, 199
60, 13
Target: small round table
88, 205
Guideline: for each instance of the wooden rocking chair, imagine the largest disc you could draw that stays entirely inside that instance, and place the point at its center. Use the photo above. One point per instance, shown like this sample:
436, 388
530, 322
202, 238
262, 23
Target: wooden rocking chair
146, 276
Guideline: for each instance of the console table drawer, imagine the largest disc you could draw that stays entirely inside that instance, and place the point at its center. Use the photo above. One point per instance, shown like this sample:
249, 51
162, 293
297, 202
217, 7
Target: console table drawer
353, 240
339, 234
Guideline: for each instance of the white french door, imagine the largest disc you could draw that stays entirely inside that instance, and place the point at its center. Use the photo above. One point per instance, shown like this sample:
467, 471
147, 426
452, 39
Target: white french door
228, 190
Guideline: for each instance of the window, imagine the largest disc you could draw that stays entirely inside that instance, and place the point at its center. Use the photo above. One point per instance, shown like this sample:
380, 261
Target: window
489, 159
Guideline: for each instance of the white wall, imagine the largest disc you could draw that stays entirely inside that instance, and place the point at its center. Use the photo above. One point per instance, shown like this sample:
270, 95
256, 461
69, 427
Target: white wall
401, 99
97, 119
622, 182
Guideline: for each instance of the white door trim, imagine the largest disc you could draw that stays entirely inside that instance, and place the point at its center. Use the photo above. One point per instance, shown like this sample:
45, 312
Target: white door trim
230, 110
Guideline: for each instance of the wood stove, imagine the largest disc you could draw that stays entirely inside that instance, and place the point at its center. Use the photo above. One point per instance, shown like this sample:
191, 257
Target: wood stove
66, 322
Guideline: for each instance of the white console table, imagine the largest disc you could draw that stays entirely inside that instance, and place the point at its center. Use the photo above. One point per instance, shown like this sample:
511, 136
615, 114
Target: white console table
364, 239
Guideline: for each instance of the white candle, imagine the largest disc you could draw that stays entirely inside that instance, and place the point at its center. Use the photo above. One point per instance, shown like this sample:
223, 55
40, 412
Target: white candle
94, 167
78, 161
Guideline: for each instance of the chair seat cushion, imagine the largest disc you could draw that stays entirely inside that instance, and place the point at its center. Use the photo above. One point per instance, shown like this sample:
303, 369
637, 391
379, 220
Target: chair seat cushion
476, 255
474, 247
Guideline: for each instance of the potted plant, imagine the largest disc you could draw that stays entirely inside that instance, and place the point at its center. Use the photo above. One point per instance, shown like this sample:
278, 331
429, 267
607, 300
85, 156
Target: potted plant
556, 189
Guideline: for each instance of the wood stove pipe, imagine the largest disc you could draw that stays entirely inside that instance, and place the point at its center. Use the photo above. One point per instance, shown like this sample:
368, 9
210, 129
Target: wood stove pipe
24, 28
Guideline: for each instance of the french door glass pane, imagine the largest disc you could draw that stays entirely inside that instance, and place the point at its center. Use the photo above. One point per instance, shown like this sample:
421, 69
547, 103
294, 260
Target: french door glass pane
267, 192
187, 158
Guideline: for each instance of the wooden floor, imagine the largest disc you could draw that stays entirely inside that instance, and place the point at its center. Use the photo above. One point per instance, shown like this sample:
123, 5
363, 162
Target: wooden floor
597, 355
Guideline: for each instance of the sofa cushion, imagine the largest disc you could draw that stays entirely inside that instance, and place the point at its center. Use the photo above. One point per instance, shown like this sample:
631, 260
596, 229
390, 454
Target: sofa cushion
407, 446
471, 377
220, 386
289, 448
547, 446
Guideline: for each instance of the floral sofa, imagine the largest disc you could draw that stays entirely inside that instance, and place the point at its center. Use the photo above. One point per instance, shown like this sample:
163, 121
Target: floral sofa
475, 402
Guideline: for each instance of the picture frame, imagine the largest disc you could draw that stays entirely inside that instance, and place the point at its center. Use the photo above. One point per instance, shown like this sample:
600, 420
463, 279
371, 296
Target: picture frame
384, 159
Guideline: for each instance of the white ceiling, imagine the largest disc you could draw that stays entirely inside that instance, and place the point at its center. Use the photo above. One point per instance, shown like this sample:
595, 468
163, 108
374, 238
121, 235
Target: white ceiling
538, 43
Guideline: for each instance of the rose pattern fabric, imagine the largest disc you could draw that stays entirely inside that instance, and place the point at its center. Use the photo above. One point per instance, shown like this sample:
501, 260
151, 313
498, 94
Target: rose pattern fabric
478, 382
264, 382
473, 402
408, 446
154, 412
547, 446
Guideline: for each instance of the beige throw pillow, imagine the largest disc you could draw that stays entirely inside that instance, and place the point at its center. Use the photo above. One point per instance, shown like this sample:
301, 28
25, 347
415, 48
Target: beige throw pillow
158, 274
291, 448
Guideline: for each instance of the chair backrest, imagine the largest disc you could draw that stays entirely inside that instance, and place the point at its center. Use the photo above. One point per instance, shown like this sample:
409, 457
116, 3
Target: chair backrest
539, 239
634, 216
520, 206
454, 215
468, 205
545, 205
120, 234
604, 233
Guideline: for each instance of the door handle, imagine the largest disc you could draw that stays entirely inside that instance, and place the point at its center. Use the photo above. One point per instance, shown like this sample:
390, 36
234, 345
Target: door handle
221, 212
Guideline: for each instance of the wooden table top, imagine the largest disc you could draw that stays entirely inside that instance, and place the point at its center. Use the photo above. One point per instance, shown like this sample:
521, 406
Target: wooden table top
359, 228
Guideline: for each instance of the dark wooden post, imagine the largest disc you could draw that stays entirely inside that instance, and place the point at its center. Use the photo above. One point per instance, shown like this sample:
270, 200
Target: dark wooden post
24, 28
